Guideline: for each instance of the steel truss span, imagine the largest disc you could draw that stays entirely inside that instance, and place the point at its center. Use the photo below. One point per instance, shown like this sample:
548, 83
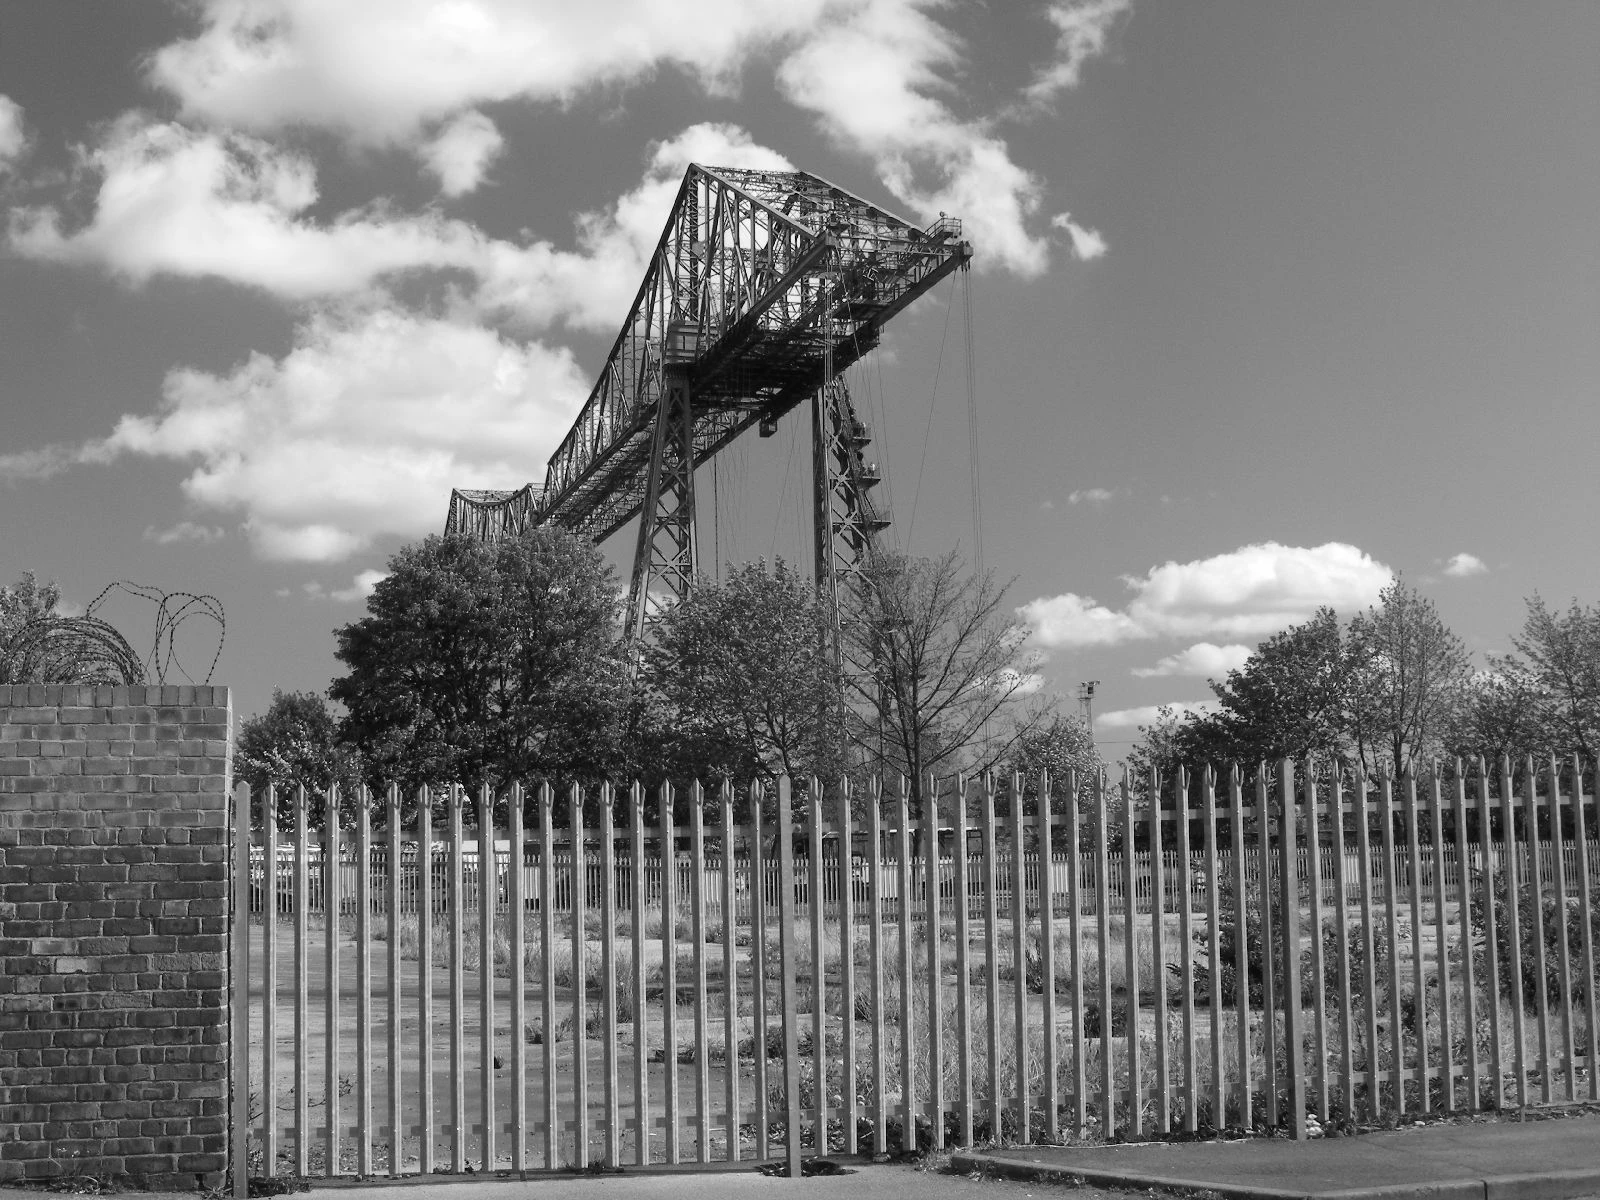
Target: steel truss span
764, 286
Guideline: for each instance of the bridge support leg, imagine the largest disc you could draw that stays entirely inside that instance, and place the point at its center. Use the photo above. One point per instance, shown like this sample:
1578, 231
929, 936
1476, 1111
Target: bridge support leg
665, 560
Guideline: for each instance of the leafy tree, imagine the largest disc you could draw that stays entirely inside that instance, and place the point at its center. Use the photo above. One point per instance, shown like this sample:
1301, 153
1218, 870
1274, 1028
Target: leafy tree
747, 679
1409, 672
487, 663
1290, 699
1562, 660
296, 741
1055, 744
1502, 712
939, 665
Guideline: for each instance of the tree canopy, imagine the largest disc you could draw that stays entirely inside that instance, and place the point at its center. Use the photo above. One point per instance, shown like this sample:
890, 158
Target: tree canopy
487, 663
746, 679
296, 741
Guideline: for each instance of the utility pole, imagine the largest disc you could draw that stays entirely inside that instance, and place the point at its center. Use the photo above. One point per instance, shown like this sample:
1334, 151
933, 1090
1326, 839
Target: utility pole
1086, 705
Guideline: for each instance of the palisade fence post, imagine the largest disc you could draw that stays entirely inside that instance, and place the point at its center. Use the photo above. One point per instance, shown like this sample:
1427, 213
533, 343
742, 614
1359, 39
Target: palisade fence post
730, 975
1191, 1087
702, 1057
547, 975
991, 920
1418, 989
758, 973
817, 913
1441, 940
847, 967
331, 972
579, 916
1464, 916
1319, 976
1158, 956
1569, 1051
908, 1062
1102, 897
488, 901
1130, 959
641, 1055
1019, 959
1241, 949
427, 1119
786, 953
1536, 891
1289, 881
608, 971
302, 993
1047, 957
458, 1054
1269, 934
1513, 923
933, 929
963, 1015
392, 904
880, 1142
239, 1017
269, 980
1580, 835
517, 835
363, 981
669, 966
1491, 940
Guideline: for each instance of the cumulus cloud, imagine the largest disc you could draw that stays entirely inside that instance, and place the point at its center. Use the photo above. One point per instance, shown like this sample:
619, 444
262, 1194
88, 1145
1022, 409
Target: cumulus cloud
874, 78
386, 71
382, 71
13, 135
178, 201
183, 531
461, 152
1083, 30
39, 463
359, 431
1092, 496
1464, 565
1205, 659
360, 587
1253, 591
1087, 244
1149, 714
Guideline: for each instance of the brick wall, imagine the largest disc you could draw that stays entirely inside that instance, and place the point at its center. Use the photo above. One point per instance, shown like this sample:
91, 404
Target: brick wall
113, 932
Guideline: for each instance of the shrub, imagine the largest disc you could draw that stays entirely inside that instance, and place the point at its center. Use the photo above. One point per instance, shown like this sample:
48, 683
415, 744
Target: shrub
1556, 925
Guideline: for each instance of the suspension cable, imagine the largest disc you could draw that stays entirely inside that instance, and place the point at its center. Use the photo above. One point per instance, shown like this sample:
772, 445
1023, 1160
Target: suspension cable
933, 403
972, 426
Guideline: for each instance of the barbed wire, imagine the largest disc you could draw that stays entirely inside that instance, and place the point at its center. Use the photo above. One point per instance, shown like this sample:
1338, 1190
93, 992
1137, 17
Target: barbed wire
89, 649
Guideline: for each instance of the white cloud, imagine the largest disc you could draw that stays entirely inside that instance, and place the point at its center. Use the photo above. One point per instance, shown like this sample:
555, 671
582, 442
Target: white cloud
1087, 244
1253, 591
381, 71
360, 587
360, 431
1082, 32
13, 135
1205, 659
183, 531
1092, 496
1148, 714
461, 152
176, 201
39, 463
1463, 565
873, 78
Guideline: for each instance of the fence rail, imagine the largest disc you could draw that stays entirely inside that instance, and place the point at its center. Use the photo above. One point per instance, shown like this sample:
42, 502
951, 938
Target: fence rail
1422, 945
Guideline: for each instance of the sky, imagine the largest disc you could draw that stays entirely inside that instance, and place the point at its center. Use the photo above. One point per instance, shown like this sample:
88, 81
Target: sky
1268, 301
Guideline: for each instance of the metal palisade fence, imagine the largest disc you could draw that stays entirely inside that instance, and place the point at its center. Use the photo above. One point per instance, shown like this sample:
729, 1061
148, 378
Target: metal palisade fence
617, 989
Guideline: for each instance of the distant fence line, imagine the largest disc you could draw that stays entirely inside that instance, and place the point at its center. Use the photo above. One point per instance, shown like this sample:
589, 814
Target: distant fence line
863, 875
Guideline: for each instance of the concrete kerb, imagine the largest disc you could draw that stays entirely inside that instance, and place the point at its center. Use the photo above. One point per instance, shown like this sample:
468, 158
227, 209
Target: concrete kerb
1543, 1185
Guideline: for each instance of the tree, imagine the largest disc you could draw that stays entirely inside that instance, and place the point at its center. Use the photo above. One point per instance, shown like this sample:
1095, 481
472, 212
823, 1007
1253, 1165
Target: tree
1409, 672
1502, 712
1562, 659
487, 664
296, 741
746, 675
1289, 700
1054, 744
938, 664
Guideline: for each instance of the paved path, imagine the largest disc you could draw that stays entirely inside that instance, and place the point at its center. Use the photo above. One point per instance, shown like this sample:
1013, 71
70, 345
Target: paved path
1505, 1160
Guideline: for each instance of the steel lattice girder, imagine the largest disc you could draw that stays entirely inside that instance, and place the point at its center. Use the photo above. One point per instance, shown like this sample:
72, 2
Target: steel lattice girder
757, 276
490, 516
